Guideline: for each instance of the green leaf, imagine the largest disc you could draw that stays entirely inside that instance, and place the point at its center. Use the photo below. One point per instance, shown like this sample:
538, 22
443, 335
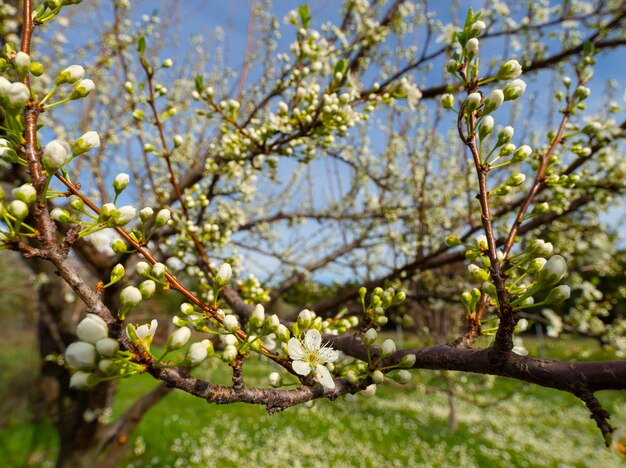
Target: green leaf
469, 20
199, 83
305, 15
141, 45
341, 66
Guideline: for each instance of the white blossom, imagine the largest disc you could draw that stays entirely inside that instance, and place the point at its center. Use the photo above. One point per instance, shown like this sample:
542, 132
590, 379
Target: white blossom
310, 356
92, 329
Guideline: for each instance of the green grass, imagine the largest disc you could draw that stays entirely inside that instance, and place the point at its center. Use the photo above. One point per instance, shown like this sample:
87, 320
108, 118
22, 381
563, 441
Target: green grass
520, 425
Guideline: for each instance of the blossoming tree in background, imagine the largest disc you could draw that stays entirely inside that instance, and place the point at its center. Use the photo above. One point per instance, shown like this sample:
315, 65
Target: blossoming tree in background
348, 156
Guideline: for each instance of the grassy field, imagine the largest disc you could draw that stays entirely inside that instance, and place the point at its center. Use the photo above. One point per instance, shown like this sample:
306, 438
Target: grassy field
512, 424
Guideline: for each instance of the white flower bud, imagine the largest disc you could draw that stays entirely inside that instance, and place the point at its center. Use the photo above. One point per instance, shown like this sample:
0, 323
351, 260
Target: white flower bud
521, 153
22, 63
142, 269
26, 193
124, 215
229, 339
18, 95
56, 154
552, 272
81, 354
92, 329
486, 127
82, 89
273, 322
158, 270
493, 101
505, 135
514, 90
178, 141
378, 377
477, 28
70, 75
230, 353
408, 360
147, 330
81, 380
186, 308
305, 317
543, 248
509, 70
369, 391
86, 142
370, 336
231, 323
403, 376
516, 180
130, 296
145, 214
471, 47
536, 264
473, 102
198, 352
558, 295
162, 217
257, 317
167, 63
224, 273
120, 182
107, 347
147, 289
282, 333
275, 380
106, 366
107, 210
447, 101
18, 209
387, 348
179, 338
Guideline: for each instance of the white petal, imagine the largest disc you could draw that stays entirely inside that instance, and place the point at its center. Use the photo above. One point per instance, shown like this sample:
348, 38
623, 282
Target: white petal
312, 340
296, 351
324, 377
327, 355
302, 368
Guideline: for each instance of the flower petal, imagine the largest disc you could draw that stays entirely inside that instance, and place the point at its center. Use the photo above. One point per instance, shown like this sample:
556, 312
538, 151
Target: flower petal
324, 377
327, 354
312, 340
301, 367
296, 351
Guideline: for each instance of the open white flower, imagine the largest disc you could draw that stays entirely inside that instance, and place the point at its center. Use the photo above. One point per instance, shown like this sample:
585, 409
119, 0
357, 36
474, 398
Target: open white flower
310, 356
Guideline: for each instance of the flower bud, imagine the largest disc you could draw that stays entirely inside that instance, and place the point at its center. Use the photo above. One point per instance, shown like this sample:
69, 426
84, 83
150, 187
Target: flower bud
402, 376
370, 337
231, 323
82, 89
123, 215
369, 391
107, 347
26, 193
147, 289
178, 339
223, 275
552, 272
230, 353
471, 47
198, 352
473, 102
22, 63
378, 377
516, 180
273, 322
81, 380
158, 270
536, 264
505, 135
37, 69
70, 75
142, 269
490, 288
408, 360
275, 380
447, 101
486, 127
509, 70
167, 63
514, 90
452, 66
582, 93
162, 217
120, 182
257, 317
477, 28
557, 295
145, 214
81, 354
478, 273
542, 247
305, 317
86, 142
282, 333
493, 101
130, 296
387, 348
117, 273
17, 95
521, 154
92, 329
55, 155
18, 209
118, 246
